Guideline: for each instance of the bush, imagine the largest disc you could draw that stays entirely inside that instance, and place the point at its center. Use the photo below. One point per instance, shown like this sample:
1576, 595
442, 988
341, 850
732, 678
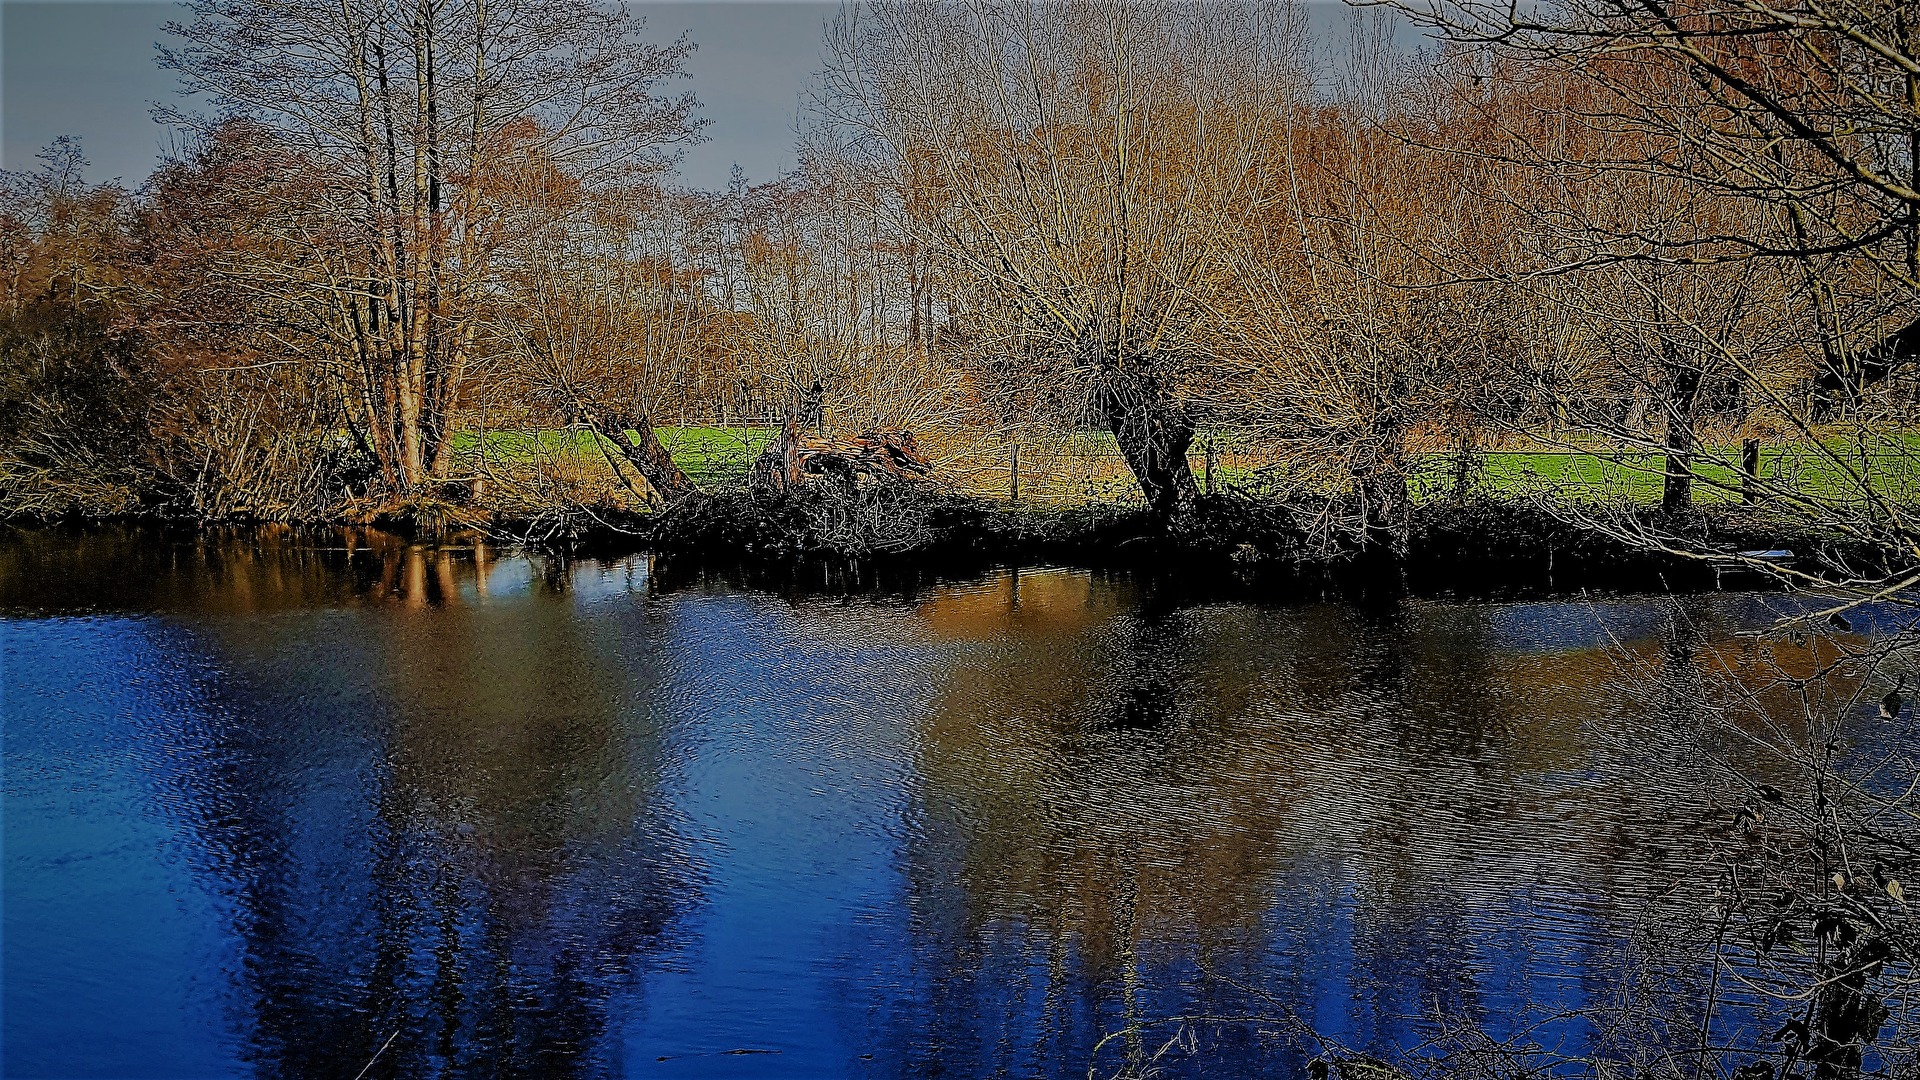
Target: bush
74, 397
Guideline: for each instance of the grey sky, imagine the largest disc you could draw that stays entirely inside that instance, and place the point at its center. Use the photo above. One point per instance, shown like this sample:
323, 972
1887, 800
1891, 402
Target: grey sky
86, 69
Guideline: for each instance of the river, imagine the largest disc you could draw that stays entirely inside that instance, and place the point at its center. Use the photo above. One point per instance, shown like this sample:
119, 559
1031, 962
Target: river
283, 807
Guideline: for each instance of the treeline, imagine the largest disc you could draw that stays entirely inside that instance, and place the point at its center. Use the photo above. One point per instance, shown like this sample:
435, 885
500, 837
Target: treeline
1657, 229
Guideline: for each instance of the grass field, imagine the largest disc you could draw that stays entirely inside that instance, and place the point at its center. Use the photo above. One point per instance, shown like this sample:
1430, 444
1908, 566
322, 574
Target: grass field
709, 455
1087, 466
1893, 471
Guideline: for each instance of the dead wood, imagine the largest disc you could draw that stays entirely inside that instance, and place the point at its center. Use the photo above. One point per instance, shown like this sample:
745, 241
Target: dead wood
792, 462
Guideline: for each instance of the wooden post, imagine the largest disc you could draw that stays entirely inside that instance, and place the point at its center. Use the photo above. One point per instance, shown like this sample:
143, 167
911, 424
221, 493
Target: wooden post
1750, 471
1013, 474
1209, 465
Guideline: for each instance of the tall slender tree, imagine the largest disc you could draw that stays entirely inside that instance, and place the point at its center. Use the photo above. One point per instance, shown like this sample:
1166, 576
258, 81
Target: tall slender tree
413, 118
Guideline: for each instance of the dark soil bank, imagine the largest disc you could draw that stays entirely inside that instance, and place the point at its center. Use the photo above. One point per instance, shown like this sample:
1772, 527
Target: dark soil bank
1486, 548
1483, 548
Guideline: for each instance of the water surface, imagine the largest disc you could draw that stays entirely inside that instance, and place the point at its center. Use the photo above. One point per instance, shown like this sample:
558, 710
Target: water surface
280, 808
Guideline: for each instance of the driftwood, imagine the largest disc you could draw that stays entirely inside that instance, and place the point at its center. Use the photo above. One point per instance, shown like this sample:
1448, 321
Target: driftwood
792, 462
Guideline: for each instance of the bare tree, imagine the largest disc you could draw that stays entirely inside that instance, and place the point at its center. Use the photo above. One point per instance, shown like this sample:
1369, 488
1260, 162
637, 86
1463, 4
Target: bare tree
1068, 165
1349, 342
414, 117
599, 315
1742, 176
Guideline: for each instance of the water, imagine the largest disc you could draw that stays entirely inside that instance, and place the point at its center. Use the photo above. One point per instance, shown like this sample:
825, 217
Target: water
279, 810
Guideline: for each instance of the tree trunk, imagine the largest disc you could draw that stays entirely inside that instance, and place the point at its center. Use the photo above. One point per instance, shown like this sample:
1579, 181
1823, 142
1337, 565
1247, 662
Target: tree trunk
1380, 479
446, 405
1844, 378
1153, 434
777, 470
1750, 471
1676, 495
648, 457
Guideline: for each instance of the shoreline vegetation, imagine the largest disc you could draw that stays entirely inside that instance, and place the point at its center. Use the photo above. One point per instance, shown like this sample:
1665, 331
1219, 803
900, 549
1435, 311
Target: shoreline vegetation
1476, 547
1526, 517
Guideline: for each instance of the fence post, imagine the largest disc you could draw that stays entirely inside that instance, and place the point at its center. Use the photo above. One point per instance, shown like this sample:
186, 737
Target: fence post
1209, 464
1750, 471
1013, 474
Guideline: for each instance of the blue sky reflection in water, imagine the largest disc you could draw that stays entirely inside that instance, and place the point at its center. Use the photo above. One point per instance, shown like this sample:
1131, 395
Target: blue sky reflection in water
268, 808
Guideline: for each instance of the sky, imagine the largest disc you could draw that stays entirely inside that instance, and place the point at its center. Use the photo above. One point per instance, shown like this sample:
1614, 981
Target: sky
83, 68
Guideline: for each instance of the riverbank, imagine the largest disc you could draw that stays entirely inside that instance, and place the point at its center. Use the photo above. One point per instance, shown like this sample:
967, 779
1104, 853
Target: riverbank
1484, 547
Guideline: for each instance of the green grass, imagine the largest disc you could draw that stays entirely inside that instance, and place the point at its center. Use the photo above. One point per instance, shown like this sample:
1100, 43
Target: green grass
1637, 477
712, 455
708, 455
715, 455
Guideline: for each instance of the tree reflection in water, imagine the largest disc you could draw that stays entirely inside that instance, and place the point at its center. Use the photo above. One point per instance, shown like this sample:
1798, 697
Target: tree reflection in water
1370, 818
440, 827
